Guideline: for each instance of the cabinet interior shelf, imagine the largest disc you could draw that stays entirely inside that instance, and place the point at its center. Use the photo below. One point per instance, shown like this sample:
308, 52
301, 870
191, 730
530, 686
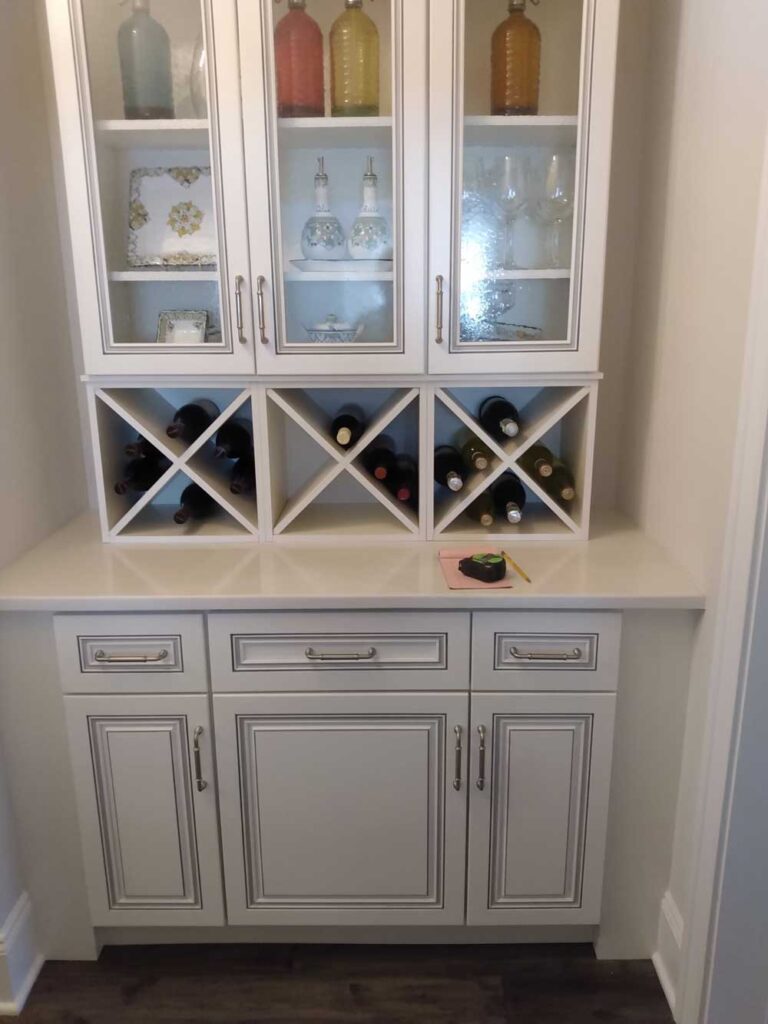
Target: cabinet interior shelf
172, 274
541, 130
335, 132
531, 274
180, 133
339, 277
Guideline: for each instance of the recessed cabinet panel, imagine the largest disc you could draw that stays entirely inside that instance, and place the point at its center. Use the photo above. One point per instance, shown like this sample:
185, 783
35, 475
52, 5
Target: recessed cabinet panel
148, 816
342, 810
539, 808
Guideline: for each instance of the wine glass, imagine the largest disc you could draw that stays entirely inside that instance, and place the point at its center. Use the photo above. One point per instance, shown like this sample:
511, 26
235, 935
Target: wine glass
554, 202
512, 194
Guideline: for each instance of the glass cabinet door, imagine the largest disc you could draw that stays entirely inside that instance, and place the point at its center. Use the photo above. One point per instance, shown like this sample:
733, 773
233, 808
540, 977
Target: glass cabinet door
156, 119
328, 190
522, 180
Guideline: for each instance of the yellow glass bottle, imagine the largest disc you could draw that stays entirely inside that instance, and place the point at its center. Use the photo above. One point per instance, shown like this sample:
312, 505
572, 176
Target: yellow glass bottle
515, 63
354, 63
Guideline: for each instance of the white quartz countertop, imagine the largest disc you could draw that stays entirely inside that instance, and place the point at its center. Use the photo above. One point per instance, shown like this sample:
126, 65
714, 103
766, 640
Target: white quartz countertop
72, 570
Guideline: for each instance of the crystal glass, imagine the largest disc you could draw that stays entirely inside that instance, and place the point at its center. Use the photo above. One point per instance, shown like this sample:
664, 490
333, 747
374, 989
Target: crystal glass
354, 63
512, 194
198, 79
553, 206
323, 236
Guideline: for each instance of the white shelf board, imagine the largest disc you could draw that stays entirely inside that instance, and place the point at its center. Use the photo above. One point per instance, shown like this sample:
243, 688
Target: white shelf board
171, 275
179, 133
155, 523
531, 274
541, 130
335, 132
337, 277
359, 520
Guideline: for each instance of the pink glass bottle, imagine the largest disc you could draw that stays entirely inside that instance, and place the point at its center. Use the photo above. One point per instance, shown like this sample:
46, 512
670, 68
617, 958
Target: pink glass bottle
299, 63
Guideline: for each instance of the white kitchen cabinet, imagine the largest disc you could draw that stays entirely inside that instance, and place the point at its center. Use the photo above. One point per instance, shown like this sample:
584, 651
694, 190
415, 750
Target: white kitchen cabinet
145, 788
343, 809
539, 780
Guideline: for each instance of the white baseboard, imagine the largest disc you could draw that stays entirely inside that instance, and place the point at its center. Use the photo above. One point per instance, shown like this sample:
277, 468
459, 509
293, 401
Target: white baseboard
20, 957
668, 955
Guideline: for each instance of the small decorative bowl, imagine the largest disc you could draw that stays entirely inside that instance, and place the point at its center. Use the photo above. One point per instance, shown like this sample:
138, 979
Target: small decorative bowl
334, 331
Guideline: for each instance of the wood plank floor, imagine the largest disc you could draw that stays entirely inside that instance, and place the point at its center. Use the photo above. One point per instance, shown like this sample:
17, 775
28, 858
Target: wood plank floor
347, 985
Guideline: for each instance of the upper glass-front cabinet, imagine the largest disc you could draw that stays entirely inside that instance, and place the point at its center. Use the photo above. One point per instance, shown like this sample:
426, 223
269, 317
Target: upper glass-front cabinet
334, 96
521, 98
162, 287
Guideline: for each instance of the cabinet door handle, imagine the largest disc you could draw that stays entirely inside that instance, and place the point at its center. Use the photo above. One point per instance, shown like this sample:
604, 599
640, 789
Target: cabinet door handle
457, 763
519, 655
481, 758
312, 655
440, 281
239, 282
129, 659
260, 282
199, 780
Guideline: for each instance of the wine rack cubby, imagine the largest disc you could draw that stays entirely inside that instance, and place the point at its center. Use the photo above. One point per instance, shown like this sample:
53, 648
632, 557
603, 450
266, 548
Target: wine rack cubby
310, 489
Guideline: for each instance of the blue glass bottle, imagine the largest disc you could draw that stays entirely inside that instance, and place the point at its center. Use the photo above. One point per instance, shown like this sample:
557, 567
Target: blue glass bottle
145, 65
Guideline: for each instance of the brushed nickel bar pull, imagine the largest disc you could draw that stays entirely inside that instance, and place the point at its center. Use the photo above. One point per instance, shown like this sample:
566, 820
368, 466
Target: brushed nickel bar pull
239, 282
458, 751
519, 655
312, 655
481, 760
260, 282
129, 659
440, 281
199, 780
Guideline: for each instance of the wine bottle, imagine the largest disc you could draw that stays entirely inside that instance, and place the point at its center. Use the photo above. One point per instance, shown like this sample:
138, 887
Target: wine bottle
348, 426
243, 479
142, 473
404, 483
539, 461
192, 419
476, 454
233, 441
482, 510
195, 504
449, 469
299, 64
379, 459
140, 448
145, 65
561, 484
499, 417
509, 498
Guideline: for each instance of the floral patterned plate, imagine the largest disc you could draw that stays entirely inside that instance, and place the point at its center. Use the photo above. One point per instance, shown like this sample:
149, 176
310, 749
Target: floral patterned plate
170, 218
182, 327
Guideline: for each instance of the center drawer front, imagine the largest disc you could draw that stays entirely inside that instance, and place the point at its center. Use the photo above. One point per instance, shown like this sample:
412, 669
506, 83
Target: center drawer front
143, 653
568, 651
275, 652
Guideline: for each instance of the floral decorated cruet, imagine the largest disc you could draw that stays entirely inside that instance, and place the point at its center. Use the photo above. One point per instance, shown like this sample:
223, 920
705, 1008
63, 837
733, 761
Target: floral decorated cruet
323, 236
370, 238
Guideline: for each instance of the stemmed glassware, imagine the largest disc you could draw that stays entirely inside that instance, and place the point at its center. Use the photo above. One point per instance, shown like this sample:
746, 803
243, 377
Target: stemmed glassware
512, 195
553, 205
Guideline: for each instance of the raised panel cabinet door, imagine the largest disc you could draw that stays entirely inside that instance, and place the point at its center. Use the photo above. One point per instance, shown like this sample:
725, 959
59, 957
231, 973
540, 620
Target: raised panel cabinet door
539, 784
343, 809
146, 798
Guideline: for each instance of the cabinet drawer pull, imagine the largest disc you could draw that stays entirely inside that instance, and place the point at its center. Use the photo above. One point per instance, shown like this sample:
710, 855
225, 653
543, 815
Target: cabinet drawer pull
312, 655
260, 282
457, 762
439, 280
519, 655
481, 758
239, 282
199, 780
129, 659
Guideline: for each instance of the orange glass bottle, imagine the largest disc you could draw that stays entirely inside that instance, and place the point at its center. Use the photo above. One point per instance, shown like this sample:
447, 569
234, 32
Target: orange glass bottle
515, 63
299, 63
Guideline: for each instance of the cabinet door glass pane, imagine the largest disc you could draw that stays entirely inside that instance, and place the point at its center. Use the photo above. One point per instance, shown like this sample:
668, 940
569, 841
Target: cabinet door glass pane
156, 174
331, 95
519, 202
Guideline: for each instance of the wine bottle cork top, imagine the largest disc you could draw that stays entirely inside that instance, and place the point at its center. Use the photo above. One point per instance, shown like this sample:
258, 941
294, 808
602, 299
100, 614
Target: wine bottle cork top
480, 462
455, 483
486, 520
568, 493
514, 515
510, 428
380, 473
344, 436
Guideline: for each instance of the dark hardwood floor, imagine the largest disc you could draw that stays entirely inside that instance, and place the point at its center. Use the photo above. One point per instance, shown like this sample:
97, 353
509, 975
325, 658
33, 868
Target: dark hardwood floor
347, 985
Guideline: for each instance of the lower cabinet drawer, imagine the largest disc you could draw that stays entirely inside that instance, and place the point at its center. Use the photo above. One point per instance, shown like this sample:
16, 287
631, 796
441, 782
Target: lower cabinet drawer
553, 651
144, 653
339, 651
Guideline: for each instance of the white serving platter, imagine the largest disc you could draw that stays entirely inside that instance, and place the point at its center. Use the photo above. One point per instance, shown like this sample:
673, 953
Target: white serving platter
171, 220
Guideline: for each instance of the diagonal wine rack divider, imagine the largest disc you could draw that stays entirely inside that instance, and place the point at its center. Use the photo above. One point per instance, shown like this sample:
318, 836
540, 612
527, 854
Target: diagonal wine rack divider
300, 408
148, 413
544, 412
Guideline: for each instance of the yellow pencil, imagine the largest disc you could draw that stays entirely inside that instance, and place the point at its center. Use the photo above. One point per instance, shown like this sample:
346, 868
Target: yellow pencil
516, 567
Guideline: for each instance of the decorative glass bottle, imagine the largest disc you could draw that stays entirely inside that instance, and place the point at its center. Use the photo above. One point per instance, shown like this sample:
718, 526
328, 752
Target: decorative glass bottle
370, 238
299, 64
198, 79
145, 65
354, 63
515, 63
323, 235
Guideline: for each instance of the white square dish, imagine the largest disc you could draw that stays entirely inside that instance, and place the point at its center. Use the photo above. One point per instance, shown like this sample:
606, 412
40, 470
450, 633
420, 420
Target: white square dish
171, 219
